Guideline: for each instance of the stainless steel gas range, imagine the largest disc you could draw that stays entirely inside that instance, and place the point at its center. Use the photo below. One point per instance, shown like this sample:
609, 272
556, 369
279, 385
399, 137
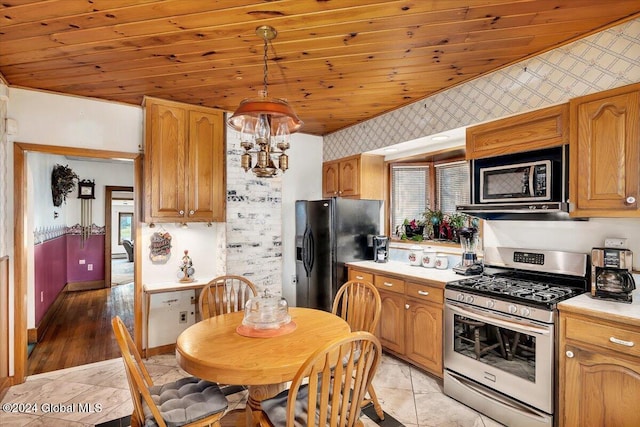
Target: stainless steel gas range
500, 332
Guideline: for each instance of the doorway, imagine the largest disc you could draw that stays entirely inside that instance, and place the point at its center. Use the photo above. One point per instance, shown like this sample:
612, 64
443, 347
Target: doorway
119, 235
21, 249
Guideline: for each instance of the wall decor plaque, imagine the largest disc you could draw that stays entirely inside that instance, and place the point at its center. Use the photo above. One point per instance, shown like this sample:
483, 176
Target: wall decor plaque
160, 247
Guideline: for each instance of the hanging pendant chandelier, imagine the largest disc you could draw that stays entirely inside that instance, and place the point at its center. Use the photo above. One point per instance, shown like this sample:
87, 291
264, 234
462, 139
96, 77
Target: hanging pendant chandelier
265, 125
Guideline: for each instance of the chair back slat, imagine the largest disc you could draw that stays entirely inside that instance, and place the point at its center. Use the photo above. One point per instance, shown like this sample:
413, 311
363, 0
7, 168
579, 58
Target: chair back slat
358, 303
225, 294
137, 375
338, 377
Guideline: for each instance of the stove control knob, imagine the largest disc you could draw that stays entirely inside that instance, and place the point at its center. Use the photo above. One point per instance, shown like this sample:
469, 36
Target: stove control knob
491, 303
512, 309
460, 297
469, 299
525, 311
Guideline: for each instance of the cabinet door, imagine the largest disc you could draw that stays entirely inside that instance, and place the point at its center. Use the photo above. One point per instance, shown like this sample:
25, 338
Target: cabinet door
330, 179
391, 325
205, 173
349, 177
424, 335
605, 147
165, 150
600, 390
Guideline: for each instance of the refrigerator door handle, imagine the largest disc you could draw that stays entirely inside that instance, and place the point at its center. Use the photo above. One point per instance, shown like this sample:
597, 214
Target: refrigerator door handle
308, 254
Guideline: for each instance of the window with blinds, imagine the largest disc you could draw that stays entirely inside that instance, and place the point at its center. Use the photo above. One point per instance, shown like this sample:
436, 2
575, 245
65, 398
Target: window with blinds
409, 193
453, 186
410, 189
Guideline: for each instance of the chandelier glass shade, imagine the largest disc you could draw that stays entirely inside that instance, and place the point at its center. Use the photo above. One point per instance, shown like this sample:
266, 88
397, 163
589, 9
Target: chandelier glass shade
265, 125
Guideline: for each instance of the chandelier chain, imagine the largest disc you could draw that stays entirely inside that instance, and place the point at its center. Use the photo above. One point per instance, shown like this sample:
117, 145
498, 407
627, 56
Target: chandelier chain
265, 67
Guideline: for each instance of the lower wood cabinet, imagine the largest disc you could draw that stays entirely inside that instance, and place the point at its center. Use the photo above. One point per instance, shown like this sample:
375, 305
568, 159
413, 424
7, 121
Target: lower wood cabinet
599, 381
410, 324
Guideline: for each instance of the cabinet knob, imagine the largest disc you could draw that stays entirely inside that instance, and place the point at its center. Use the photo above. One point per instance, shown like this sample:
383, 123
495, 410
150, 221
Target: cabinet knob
360, 277
181, 212
406, 306
340, 192
388, 285
191, 212
425, 293
630, 200
569, 354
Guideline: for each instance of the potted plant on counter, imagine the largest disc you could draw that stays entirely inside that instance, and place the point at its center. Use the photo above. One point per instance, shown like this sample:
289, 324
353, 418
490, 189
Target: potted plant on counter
412, 229
457, 221
433, 219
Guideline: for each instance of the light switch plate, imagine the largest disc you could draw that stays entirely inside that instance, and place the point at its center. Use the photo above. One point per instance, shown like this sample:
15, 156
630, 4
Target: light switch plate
615, 242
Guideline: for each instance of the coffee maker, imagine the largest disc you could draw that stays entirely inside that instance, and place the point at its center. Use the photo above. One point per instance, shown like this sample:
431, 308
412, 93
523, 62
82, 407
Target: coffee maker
611, 277
469, 241
380, 248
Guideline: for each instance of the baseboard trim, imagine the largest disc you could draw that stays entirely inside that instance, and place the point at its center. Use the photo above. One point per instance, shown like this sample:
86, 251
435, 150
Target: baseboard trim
163, 349
35, 334
84, 286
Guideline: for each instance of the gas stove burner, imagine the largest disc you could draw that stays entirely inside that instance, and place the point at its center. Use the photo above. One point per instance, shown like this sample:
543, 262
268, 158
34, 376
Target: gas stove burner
516, 289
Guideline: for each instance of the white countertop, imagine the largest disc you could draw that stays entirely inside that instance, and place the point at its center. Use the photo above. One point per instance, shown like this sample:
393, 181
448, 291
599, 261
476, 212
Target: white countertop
585, 303
176, 285
419, 272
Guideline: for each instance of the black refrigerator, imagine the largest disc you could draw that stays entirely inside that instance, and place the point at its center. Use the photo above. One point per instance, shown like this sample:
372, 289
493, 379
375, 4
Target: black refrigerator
329, 233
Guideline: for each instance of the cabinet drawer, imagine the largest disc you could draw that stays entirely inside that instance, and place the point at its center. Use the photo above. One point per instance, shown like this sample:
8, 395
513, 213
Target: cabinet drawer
425, 292
607, 336
360, 275
389, 284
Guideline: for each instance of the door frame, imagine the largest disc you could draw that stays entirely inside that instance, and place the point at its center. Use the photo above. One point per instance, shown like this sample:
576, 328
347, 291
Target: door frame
108, 206
20, 247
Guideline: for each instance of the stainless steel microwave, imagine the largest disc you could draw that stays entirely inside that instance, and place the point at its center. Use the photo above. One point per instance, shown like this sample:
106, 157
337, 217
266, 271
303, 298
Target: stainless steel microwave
521, 182
521, 185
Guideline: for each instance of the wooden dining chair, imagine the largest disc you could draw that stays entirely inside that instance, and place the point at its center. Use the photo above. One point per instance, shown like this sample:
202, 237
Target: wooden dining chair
225, 294
358, 303
188, 401
329, 387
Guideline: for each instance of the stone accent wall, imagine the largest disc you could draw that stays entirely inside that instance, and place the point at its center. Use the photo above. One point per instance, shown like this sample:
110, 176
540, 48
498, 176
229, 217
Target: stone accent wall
253, 227
599, 62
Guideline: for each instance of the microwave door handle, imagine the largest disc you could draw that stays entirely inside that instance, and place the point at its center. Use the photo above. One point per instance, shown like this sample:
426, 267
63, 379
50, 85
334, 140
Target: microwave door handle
511, 325
532, 170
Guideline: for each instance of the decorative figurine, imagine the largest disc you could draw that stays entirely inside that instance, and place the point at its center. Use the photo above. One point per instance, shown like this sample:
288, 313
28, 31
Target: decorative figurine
185, 274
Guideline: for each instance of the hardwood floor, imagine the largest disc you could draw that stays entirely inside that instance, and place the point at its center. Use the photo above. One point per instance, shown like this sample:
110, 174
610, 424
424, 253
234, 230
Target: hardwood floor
81, 330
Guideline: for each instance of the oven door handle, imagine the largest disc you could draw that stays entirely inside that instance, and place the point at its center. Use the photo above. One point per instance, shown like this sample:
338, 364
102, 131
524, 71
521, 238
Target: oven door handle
512, 325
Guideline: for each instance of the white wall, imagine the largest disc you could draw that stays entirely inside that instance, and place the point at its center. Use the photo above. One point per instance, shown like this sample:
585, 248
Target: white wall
303, 181
69, 121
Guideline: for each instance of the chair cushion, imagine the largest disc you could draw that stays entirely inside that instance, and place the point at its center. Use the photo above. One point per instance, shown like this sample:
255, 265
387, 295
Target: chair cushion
184, 401
276, 408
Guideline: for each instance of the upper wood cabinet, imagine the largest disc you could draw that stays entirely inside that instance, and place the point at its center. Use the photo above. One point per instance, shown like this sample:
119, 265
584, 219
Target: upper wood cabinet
548, 127
360, 176
605, 153
184, 163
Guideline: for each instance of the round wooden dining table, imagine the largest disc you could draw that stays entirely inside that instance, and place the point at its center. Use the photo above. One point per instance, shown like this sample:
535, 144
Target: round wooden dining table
213, 350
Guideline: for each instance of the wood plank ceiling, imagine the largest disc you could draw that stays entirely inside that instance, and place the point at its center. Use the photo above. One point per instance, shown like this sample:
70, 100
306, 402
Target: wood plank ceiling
337, 62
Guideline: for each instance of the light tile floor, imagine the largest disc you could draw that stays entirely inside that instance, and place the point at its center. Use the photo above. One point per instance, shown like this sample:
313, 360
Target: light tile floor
406, 393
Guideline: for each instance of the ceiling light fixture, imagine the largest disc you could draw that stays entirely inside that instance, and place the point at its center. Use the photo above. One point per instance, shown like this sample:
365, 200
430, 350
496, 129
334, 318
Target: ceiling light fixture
262, 121
439, 138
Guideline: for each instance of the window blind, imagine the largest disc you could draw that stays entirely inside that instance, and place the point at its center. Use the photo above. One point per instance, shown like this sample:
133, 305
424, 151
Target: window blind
452, 185
409, 193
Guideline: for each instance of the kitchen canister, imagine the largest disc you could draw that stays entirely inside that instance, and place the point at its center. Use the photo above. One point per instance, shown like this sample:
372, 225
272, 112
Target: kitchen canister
442, 262
428, 259
415, 255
